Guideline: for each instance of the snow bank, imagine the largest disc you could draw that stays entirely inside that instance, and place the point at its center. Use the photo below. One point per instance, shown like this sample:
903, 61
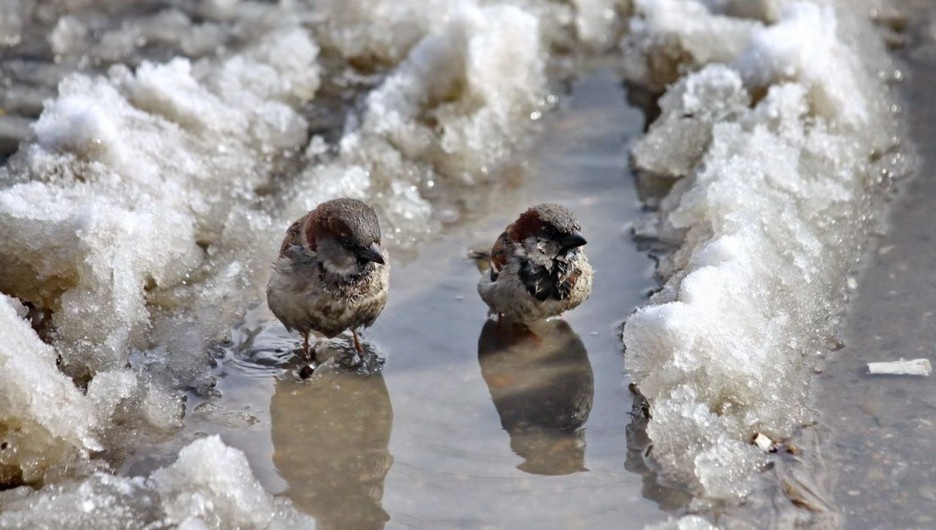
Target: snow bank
456, 106
44, 419
778, 134
129, 187
209, 486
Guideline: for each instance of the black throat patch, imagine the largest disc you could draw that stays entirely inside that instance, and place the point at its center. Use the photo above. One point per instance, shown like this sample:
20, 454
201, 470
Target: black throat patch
552, 282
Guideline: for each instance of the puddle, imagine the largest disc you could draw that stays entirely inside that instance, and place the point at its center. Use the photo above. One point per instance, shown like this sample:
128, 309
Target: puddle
468, 424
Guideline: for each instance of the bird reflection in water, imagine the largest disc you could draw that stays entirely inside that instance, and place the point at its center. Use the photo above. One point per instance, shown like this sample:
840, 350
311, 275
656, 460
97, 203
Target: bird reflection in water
542, 386
330, 437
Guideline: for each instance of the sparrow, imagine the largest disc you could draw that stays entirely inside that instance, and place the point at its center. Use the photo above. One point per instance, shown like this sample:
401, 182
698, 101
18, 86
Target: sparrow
538, 268
331, 274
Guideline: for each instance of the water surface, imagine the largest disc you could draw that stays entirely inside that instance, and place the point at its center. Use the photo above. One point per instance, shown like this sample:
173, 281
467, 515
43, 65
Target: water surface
469, 424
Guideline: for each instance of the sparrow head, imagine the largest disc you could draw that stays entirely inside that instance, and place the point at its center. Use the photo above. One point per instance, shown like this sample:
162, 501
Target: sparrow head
546, 231
345, 236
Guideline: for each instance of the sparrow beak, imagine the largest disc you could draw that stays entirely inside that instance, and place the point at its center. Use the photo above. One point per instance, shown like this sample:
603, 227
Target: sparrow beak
570, 241
371, 253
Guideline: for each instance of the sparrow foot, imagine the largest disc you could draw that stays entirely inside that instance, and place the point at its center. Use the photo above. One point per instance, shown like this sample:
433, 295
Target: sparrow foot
361, 359
306, 371
367, 363
308, 349
309, 355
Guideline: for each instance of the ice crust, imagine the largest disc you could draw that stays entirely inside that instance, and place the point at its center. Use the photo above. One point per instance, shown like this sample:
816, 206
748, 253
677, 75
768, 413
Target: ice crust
778, 133
140, 218
44, 420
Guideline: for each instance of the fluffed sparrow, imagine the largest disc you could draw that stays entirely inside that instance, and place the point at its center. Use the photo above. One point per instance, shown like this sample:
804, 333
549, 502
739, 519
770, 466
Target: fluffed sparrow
538, 269
331, 274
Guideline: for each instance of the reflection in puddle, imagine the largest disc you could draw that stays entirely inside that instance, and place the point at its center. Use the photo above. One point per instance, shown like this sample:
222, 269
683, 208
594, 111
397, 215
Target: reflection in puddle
542, 385
330, 437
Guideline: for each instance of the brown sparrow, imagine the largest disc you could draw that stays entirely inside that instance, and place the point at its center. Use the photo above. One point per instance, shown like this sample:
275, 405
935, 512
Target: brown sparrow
331, 274
538, 269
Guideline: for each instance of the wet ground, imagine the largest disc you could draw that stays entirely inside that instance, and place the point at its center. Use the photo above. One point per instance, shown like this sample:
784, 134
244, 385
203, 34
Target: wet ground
880, 429
469, 424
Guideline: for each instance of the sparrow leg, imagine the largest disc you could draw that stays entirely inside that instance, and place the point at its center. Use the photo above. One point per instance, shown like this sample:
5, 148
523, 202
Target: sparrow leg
309, 353
357, 342
306, 349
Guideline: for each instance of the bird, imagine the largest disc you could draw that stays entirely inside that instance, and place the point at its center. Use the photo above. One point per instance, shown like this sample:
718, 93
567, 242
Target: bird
331, 274
538, 268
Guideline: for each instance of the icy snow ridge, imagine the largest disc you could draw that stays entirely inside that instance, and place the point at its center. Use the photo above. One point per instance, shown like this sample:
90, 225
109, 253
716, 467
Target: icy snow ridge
773, 133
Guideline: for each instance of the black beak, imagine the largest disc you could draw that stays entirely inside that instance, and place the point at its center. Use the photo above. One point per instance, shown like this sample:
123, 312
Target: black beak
371, 253
570, 241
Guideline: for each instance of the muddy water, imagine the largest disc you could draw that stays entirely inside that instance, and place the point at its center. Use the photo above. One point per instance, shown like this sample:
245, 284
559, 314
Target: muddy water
469, 424
881, 429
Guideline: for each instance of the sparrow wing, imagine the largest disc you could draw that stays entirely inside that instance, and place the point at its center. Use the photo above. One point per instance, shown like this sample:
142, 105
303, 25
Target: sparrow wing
293, 235
499, 253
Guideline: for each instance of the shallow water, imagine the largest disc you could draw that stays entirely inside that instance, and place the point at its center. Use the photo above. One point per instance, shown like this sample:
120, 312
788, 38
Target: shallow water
469, 424
879, 429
